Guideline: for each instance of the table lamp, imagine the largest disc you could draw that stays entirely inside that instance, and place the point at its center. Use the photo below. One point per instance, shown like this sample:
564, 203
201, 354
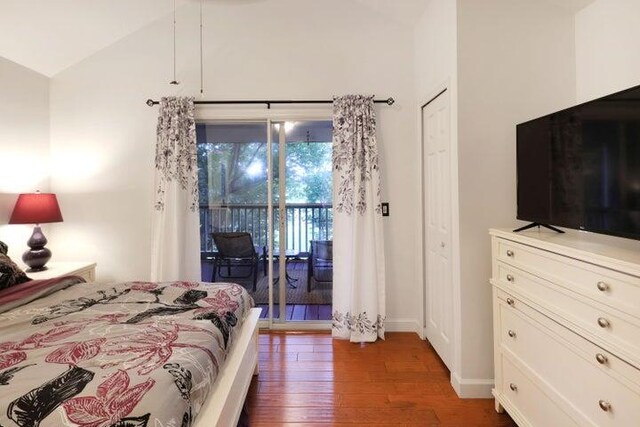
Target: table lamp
36, 208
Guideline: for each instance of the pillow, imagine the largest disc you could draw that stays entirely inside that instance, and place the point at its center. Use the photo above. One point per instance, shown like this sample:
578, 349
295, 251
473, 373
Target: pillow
10, 273
23, 293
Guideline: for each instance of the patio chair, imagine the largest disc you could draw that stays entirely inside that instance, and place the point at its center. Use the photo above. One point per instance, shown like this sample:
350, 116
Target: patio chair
235, 250
320, 262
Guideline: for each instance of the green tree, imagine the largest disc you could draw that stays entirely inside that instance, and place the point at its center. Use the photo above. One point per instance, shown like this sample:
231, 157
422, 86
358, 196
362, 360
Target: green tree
235, 173
308, 172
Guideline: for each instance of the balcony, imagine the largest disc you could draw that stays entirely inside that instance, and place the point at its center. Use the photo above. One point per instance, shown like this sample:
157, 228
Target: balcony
304, 222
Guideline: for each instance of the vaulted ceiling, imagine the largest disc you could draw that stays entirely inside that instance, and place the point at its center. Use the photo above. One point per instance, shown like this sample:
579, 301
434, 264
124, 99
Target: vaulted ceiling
50, 35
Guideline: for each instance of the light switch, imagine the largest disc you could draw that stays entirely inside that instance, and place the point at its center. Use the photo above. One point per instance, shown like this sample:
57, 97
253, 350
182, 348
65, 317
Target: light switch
385, 209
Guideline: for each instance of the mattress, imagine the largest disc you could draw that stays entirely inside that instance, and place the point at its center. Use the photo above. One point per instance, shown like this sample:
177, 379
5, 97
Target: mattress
123, 354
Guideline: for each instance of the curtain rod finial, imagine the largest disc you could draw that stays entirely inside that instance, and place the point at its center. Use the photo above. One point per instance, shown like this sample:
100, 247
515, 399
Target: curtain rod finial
391, 101
150, 102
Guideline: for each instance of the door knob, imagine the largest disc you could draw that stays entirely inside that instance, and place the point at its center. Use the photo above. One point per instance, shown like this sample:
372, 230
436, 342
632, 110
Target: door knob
604, 405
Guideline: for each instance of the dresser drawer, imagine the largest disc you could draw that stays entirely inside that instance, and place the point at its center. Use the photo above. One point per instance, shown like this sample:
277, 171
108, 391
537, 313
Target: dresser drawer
528, 403
607, 325
568, 365
603, 285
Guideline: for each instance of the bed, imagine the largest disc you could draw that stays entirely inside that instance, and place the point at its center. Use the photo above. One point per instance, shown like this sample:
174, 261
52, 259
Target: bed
128, 354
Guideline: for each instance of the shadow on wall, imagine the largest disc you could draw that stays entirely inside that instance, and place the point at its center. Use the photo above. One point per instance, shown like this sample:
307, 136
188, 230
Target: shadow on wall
7, 202
112, 228
15, 236
94, 229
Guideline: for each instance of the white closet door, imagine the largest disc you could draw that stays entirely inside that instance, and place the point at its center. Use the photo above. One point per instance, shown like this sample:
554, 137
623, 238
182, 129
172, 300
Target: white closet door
437, 225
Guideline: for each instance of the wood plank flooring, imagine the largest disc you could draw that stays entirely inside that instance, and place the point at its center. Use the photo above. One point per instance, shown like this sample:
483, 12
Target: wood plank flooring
299, 312
309, 379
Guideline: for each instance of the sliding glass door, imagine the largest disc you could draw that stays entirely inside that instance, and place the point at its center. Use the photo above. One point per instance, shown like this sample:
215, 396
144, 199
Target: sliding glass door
272, 181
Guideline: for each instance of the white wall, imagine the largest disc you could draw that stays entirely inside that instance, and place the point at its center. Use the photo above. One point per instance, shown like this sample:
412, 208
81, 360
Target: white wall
24, 145
435, 64
435, 46
103, 134
607, 53
516, 61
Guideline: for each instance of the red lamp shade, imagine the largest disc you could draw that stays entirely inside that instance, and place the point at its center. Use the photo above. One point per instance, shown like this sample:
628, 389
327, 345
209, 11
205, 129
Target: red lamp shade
36, 208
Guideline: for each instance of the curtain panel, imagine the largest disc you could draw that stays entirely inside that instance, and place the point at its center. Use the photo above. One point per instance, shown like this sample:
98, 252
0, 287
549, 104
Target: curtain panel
176, 222
358, 243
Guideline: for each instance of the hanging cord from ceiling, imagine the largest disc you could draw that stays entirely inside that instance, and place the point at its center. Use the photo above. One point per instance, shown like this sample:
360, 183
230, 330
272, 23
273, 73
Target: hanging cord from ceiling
174, 81
201, 54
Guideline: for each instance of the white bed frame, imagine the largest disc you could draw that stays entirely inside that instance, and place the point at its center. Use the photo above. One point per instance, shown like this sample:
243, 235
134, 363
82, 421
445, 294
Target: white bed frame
224, 403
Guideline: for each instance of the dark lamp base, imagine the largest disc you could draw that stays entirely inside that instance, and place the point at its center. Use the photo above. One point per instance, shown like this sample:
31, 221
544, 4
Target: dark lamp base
38, 255
35, 270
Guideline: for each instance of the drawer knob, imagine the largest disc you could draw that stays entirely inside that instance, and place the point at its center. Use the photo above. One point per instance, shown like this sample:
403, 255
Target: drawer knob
604, 405
603, 287
510, 278
510, 253
604, 323
601, 358
511, 333
514, 387
510, 301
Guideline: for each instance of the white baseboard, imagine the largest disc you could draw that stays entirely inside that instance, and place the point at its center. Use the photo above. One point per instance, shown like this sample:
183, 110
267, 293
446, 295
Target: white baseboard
472, 388
402, 325
393, 325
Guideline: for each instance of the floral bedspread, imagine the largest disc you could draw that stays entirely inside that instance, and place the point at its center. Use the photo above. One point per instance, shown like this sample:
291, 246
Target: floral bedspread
127, 354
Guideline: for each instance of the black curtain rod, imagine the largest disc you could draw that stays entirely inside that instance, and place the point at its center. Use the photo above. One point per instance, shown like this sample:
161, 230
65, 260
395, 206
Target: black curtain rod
268, 103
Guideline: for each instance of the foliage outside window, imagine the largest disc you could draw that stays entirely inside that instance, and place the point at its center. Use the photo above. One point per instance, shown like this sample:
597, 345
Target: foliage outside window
232, 179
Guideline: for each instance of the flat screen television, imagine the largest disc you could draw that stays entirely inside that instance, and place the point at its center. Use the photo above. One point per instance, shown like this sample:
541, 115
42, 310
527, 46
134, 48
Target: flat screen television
580, 167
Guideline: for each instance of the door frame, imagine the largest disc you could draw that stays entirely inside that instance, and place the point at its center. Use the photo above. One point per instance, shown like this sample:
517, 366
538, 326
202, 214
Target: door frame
449, 88
213, 113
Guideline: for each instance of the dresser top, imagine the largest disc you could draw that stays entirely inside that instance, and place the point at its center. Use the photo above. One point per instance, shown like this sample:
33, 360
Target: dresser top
58, 269
612, 252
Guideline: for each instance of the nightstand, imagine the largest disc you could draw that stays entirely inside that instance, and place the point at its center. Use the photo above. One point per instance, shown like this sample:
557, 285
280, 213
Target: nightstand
86, 270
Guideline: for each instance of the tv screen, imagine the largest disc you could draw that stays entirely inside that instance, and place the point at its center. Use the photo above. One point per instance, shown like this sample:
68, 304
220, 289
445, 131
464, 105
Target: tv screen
580, 167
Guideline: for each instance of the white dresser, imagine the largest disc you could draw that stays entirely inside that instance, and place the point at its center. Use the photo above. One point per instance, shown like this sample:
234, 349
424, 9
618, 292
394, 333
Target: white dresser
566, 313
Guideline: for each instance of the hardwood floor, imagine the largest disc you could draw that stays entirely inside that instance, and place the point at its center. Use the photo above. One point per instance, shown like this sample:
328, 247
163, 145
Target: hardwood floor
312, 380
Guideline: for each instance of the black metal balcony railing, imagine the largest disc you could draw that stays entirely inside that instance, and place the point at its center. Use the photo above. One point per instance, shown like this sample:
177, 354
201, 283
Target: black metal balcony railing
305, 222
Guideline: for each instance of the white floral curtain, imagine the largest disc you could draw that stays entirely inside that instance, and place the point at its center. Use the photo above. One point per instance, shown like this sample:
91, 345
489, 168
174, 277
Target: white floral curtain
176, 224
358, 257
